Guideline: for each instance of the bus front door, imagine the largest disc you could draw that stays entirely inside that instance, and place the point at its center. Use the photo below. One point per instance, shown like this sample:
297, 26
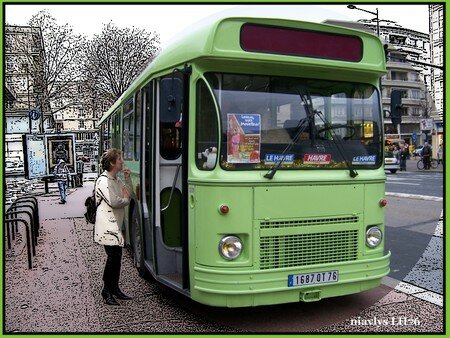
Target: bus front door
169, 178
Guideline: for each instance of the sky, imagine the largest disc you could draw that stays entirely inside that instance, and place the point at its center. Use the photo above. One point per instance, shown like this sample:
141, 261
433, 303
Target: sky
168, 20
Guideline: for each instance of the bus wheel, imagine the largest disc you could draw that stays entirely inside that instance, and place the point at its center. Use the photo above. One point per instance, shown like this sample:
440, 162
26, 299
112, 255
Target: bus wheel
137, 249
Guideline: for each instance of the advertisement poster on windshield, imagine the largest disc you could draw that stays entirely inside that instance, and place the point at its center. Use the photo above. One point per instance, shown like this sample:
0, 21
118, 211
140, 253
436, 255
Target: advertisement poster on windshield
244, 138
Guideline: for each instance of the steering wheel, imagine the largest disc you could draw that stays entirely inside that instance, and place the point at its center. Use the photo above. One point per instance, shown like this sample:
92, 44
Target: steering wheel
338, 126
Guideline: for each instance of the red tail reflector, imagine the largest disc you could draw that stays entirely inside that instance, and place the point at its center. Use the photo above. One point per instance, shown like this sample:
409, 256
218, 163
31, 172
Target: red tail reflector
224, 209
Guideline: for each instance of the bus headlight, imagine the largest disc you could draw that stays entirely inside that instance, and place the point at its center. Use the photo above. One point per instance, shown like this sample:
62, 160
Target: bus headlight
230, 247
373, 237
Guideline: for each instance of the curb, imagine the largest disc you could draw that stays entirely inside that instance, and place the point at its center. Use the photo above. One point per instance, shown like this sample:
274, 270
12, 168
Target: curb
417, 197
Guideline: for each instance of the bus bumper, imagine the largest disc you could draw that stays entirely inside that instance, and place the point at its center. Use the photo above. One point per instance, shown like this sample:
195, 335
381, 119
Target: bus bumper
244, 287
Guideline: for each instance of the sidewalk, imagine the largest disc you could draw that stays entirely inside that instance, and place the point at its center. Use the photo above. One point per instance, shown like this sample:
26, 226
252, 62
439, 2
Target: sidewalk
56, 295
62, 291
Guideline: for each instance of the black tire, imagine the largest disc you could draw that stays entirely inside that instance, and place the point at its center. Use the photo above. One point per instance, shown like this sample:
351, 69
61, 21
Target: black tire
434, 164
136, 244
393, 171
420, 165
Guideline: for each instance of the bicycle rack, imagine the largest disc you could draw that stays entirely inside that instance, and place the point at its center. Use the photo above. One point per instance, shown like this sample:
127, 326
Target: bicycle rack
29, 240
33, 219
31, 227
16, 213
33, 200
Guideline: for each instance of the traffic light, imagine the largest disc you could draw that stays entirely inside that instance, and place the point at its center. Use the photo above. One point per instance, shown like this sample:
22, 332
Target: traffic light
396, 107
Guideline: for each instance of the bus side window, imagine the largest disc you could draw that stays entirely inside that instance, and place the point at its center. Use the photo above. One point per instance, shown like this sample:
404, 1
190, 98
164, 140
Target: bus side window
171, 94
137, 126
128, 130
206, 129
170, 141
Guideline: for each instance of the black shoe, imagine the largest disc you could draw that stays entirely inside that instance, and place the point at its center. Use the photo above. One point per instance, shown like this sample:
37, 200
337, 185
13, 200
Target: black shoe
120, 295
61, 202
108, 298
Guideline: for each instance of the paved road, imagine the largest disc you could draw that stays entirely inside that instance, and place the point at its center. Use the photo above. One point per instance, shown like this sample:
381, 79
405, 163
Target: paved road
418, 183
411, 224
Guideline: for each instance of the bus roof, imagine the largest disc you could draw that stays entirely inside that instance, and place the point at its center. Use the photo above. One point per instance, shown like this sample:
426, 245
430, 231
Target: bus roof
220, 38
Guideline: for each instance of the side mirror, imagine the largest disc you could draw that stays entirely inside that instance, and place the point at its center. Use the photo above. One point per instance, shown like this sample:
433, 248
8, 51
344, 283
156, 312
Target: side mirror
171, 94
396, 107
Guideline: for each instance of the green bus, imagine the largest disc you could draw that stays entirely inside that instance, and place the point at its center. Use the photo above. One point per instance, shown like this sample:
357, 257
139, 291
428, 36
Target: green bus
256, 151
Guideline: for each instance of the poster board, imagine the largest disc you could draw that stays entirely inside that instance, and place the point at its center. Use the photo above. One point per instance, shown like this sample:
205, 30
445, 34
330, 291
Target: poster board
426, 124
43, 151
35, 156
60, 146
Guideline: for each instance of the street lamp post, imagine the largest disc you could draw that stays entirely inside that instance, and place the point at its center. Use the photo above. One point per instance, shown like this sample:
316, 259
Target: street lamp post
370, 12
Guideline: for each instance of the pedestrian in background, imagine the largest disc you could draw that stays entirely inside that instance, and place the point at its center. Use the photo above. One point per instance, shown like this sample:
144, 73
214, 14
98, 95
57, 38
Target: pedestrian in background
441, 154
403, 155
112, 196
62, 173
426, 156
396, 153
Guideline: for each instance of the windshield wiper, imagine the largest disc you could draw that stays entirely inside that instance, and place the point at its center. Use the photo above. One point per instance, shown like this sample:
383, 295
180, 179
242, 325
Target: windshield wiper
300, 128
328, 126
312, 112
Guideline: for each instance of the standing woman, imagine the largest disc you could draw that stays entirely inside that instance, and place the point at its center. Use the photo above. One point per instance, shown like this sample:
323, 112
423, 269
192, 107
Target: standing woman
111, 196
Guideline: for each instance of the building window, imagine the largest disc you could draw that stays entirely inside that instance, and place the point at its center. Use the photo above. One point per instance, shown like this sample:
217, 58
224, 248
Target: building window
414, 76
415, 111
399, 76
415, 94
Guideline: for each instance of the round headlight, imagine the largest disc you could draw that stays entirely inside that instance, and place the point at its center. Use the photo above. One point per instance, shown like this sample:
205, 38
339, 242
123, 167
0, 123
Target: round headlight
230, 247
373, 237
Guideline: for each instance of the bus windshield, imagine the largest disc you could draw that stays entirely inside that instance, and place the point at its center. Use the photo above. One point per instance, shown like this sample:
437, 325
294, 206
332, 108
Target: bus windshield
302, 123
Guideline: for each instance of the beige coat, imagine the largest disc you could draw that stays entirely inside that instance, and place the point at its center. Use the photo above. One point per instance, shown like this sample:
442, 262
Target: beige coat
110, 212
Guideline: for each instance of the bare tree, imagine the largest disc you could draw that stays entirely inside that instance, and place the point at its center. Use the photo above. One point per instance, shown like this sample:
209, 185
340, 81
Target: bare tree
61, 68
115, 57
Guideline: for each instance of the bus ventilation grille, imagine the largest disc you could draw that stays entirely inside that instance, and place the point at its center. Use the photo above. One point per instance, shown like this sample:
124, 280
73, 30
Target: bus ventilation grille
308, 222
307, 249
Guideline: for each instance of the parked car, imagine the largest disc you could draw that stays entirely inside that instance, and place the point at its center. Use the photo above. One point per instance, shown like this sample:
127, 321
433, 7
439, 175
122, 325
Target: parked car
391, 163
417, 151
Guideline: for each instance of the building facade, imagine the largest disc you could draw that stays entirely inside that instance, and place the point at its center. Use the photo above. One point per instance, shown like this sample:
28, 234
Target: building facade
436, 21
408, 54
77, 118
25, 110
24, 60
408, 57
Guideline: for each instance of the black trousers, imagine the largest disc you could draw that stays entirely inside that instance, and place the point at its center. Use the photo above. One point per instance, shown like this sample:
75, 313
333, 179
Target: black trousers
111, 273
426, 161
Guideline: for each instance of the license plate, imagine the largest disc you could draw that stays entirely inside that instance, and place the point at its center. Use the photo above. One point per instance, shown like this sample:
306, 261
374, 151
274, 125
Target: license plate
313, 278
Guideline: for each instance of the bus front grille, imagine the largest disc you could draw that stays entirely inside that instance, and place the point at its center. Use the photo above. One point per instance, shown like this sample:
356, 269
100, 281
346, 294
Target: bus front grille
308, 222
286, 251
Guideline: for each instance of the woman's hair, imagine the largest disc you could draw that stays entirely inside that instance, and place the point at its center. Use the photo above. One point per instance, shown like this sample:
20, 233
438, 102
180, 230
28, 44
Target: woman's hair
109, 158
